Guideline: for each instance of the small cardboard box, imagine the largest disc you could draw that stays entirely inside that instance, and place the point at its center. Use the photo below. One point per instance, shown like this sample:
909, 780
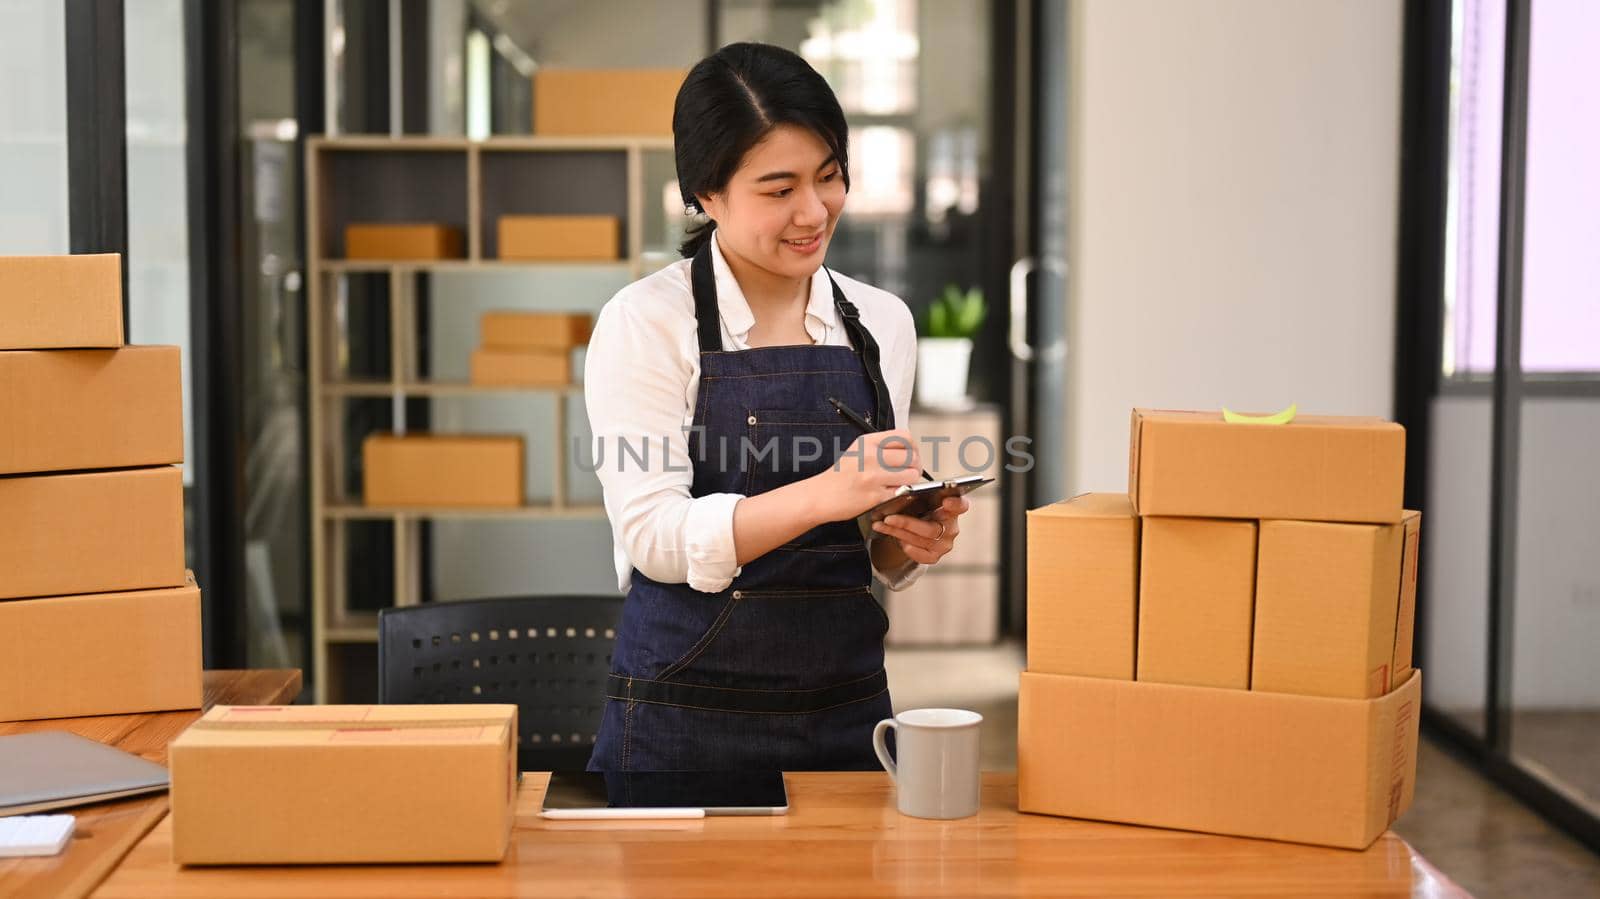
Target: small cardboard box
559, 238
511, 330
605, 102
1333, 772
1315, 468
344, 784
388, 242
1328, 606
1196, 589
91, 532
442, 470
51, 302
521, 368
69, 410
100, 653
1083, 586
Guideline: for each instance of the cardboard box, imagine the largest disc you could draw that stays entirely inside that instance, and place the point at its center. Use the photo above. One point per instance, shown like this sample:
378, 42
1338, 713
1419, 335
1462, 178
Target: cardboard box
605, 102
50, 302
442, 470
1406, 617
1196, 589
343, 784
1315, 468
560, 238
1333, 772
100, 653
521, 368
509, 330
1083, 586
1327, 607
387, 242
67, 410
91, 532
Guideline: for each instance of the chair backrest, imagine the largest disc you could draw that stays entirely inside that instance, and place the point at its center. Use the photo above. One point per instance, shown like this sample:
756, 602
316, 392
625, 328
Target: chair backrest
547, 654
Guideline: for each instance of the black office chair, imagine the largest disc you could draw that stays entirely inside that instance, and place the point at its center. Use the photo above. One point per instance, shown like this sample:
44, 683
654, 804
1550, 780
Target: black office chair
547, 654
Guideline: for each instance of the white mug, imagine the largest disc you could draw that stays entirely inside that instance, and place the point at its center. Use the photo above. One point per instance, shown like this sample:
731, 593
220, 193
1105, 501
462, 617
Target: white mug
936, 770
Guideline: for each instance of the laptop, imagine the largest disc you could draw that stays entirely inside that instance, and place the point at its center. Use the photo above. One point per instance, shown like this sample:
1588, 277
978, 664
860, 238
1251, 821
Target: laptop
54, 769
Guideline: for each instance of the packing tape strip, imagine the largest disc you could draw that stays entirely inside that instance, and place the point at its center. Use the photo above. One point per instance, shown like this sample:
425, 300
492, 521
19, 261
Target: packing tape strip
1281, 417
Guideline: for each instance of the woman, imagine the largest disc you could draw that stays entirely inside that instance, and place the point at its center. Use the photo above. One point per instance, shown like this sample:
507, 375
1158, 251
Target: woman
750, 637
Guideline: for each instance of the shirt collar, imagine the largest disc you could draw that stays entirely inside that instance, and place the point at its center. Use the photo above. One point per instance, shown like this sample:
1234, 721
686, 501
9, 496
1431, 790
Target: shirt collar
734, 309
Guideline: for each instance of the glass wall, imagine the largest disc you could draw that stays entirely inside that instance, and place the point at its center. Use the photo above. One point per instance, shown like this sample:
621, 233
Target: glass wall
33, 128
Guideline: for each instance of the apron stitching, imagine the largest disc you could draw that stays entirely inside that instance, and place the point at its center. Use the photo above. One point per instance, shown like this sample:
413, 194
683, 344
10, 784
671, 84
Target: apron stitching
701, 708
750, 690
705, 641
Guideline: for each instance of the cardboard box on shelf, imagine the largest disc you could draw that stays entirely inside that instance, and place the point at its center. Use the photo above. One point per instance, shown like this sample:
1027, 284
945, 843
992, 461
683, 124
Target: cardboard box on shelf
68, 410
605, 102
517, 330
384, 242
1315, 468
344, 784
91, 532
101, 653
50, 302
1307, 769
524, 368
1196, 589
1328, 607
559, 238
464, 470
1083, 586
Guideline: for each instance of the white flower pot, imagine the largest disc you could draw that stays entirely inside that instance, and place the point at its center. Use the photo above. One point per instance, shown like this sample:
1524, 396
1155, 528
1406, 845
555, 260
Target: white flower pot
942, 364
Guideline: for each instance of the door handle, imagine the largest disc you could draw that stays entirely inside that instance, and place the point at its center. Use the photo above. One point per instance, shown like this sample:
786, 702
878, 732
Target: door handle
1018, 338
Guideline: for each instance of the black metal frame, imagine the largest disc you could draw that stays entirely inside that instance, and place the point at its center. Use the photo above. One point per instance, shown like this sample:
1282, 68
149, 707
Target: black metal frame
97, 132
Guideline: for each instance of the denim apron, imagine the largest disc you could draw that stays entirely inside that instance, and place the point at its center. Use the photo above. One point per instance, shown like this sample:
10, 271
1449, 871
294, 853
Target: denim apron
783, 670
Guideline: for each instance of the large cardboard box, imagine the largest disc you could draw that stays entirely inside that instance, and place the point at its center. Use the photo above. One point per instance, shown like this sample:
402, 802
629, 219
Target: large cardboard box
67, 410
100, 653
521, 368
1328, 607
1083, 586
559, 238
1196, 589
49, 302
442, 470
389, 242
91, 532
605, 102
1315, 468
516, 330
344, 784
1334, 772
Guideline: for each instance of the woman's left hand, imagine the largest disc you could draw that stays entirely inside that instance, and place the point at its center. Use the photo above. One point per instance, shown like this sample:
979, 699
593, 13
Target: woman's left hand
926, 540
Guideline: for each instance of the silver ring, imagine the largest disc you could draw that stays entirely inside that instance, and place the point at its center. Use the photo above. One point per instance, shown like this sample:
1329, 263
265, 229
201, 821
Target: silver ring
939, 536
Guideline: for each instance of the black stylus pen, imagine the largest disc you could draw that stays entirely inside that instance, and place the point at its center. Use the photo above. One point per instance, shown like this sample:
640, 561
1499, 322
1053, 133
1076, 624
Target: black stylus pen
862, 424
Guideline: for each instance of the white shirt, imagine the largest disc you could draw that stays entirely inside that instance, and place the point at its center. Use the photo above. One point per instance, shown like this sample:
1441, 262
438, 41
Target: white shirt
641, 379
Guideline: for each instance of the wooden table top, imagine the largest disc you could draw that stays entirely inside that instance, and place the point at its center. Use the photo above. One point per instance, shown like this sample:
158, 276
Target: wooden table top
107, 830
842, 837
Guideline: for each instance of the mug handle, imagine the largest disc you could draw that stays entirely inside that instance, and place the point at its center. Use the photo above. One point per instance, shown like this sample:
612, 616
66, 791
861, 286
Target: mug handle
882, 749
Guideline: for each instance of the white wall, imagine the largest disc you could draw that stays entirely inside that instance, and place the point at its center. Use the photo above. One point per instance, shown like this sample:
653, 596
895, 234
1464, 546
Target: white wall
1233, 177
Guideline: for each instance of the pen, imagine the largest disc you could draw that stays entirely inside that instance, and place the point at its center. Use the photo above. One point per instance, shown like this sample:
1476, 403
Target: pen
862, 424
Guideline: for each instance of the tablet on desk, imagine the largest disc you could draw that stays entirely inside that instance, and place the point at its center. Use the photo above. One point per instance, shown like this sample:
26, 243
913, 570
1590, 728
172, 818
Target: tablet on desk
918, 500
664, 794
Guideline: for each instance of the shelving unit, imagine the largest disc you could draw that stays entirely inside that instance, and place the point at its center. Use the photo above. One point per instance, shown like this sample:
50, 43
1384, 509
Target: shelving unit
465, 184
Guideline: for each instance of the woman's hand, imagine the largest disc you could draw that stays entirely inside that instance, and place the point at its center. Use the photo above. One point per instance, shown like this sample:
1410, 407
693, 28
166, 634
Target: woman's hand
869, 472
926, 540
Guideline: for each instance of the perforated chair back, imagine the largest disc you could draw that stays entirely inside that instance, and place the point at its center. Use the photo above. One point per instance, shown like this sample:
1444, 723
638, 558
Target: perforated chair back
547, 654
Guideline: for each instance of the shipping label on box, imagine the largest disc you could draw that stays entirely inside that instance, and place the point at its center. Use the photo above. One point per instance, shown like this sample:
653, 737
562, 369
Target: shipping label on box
1315, 468
460, 470
605, 102
559, 238
1083, 583
526, 331
1306, 769
53, 302
344, 784
385, 242
100, 653
91, 532
1196, 593
70, 410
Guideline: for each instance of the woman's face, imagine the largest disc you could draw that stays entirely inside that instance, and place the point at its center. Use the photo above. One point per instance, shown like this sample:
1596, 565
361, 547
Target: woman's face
780, 208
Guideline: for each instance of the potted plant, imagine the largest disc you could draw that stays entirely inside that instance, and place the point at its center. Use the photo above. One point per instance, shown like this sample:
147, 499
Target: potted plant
944, 353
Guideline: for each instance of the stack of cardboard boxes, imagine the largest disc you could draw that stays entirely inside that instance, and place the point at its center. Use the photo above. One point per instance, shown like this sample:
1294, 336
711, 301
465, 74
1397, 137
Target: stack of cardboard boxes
97, 613
528, 349
1227, 647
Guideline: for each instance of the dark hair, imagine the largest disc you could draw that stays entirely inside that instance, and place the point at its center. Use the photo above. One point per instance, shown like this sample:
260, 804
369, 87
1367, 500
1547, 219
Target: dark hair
728, 103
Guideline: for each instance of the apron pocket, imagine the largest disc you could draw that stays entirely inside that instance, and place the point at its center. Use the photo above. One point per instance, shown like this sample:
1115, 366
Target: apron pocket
784, 445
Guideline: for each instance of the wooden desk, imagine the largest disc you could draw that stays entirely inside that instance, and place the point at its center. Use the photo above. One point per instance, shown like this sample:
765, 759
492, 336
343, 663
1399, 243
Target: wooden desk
842, 837
106, 831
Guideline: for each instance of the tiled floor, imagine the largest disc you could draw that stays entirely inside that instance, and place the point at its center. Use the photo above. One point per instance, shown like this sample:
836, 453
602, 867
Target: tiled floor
1476, 834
